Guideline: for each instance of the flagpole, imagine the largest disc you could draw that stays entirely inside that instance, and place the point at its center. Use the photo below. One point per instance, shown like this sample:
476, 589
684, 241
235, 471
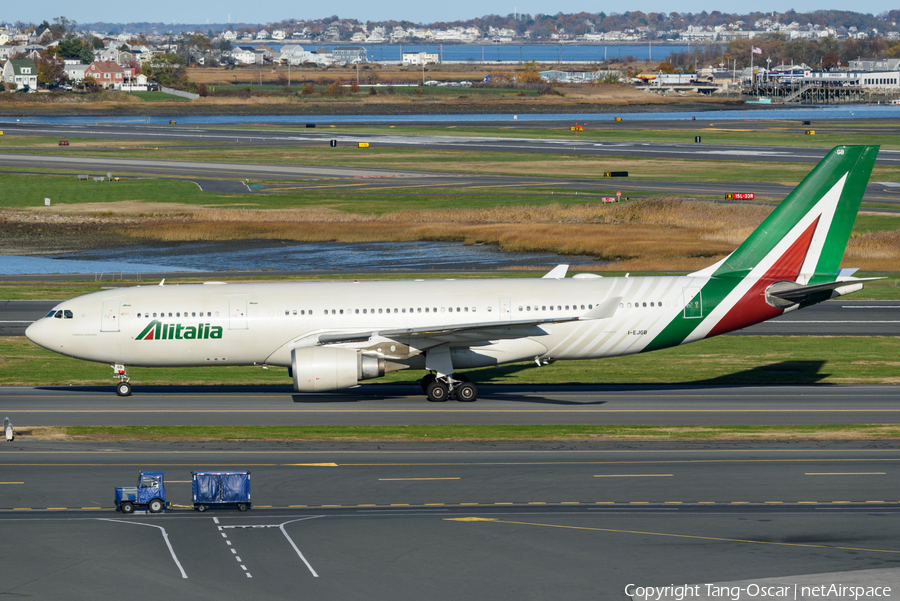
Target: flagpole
752, 79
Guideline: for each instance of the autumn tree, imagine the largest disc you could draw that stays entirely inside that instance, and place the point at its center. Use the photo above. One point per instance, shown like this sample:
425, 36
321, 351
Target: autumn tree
530, 75
49, 69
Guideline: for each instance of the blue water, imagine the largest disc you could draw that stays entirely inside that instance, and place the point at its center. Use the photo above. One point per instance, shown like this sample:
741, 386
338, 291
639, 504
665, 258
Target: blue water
823, 112
286, 256
507, 52
15, 265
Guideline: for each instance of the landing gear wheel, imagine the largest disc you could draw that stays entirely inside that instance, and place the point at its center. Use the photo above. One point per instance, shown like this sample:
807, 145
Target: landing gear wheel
123, 389
155, 506
426, 381
126, 507
201, 508
466, 392
437, 392
242, 507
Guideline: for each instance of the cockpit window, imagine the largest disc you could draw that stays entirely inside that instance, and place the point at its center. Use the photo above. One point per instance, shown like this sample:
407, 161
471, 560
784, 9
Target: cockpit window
51, 313
67, 314
61, 314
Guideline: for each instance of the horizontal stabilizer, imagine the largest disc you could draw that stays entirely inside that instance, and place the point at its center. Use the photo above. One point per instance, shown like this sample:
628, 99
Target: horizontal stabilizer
785, 294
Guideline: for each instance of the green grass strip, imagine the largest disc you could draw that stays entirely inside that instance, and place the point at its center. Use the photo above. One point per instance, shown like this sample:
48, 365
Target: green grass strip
469, 432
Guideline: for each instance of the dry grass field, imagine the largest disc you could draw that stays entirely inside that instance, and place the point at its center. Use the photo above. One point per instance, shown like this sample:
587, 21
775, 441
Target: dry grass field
646, 235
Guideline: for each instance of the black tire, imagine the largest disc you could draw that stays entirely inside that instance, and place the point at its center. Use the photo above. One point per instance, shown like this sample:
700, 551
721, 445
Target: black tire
437, 392
466, 392
123, 389
126, 507
155, 505
242, 506
201, 508
426, 381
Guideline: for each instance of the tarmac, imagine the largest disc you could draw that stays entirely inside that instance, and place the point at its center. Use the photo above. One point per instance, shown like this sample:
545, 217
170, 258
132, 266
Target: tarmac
705, 402
447, 521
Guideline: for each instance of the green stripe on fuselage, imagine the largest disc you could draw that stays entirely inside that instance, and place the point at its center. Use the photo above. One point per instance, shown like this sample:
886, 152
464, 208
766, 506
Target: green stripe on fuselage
713, 292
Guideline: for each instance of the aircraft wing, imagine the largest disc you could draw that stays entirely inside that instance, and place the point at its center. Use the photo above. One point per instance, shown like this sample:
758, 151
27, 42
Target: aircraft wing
473, 332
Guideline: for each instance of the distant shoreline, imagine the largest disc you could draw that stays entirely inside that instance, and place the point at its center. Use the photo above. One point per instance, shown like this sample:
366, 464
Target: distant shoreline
184, 109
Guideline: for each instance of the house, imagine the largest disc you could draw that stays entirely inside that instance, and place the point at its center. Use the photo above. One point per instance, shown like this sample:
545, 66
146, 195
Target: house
74, 71
244, 56
420, 58
20, 71
6, 51
107, 73
350, 54
110, 54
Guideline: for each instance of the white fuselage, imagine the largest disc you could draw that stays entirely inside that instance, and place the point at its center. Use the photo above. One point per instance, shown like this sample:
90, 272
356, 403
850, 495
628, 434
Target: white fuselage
247, 324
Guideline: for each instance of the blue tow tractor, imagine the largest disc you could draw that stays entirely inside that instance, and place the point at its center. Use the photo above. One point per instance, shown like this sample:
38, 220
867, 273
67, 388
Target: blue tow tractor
221, 490
211, 490
149, 494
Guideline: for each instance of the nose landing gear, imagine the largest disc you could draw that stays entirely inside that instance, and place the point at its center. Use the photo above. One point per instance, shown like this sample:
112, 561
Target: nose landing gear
120, 373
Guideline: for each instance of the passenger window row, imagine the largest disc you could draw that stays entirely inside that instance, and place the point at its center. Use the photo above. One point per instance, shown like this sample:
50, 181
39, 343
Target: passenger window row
552, 308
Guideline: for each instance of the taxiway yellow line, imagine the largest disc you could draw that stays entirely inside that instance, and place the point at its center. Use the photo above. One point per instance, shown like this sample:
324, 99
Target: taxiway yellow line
399, 479
845, 474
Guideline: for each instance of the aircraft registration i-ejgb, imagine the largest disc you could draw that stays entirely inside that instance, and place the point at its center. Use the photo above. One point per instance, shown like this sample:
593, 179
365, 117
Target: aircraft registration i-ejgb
334, 335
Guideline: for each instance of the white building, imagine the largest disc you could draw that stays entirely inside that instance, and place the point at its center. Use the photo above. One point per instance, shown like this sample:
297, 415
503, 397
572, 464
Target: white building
873, 80
245, 56
420, 58
74, 71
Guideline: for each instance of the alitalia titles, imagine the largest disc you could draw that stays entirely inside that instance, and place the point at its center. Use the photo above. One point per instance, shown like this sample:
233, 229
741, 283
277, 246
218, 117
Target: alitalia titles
157, 330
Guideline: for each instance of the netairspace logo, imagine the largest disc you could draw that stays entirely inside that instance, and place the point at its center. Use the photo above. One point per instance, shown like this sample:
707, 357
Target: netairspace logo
755, 591
157, 330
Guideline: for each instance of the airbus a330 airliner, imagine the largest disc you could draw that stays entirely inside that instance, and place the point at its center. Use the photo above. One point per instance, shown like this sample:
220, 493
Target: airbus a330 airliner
334, 335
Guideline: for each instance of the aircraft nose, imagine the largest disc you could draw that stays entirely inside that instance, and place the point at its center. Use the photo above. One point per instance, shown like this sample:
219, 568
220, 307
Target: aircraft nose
36, 333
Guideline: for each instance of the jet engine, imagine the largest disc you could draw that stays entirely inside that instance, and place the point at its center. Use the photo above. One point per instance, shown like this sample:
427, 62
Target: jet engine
321, 368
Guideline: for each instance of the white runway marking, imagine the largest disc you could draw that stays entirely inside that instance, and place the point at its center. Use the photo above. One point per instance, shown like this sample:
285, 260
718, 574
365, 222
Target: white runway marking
290, 540
232, 549
165, 537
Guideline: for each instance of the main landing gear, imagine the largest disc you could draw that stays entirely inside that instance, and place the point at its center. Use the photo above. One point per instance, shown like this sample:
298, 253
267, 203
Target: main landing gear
120, 373
442, 388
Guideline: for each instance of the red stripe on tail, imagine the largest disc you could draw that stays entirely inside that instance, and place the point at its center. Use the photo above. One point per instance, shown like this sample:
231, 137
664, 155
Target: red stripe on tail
753, 308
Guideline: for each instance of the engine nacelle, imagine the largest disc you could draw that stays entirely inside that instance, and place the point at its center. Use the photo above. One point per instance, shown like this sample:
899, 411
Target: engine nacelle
321, 368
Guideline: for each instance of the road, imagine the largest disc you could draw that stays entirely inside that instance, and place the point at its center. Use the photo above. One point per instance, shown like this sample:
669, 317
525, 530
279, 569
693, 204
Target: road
832, 318
704, 402
445, 521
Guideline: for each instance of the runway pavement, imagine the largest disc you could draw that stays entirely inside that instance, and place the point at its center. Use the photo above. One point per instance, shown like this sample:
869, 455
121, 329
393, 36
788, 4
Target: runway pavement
705, 402
345, 136
832, 318
226, 178
446, 521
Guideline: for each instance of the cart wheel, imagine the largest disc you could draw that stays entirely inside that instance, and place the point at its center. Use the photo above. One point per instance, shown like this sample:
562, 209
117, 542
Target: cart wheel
242, 506
155, 506
201, 508
126, 507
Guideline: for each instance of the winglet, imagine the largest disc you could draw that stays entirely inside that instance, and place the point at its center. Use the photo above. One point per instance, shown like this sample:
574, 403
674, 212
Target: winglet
604, 310
557, 273
162, 281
